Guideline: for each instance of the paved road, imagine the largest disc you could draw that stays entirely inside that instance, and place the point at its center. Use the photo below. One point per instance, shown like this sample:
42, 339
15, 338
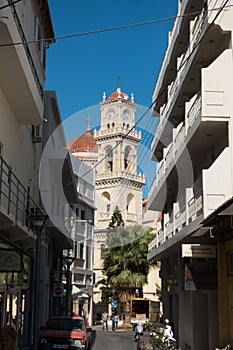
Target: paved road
110, 340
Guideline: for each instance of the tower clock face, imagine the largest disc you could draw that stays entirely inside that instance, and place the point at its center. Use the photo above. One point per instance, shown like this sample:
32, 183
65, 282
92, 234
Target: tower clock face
126, 116
110, 115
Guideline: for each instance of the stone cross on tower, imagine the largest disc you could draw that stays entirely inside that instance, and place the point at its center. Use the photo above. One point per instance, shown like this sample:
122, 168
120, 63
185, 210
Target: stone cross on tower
88, 122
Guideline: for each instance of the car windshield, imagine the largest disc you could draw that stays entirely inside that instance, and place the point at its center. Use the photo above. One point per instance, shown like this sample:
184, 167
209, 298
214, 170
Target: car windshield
64, 324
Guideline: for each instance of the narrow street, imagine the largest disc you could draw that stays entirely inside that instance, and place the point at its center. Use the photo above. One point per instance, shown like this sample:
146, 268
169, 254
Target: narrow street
114, 340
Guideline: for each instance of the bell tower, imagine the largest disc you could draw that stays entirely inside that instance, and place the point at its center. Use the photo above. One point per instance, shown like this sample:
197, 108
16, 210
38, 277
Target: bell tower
117, 181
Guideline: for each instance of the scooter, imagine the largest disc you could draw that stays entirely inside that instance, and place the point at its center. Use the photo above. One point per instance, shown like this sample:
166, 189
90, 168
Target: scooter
138, 330
168, 335
163, 335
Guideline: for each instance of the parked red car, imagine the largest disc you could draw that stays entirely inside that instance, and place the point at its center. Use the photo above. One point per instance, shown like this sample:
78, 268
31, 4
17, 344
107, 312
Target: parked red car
69, 333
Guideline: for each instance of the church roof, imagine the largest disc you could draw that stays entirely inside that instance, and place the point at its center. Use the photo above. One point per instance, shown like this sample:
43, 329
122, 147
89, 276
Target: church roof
83, 143
118, 95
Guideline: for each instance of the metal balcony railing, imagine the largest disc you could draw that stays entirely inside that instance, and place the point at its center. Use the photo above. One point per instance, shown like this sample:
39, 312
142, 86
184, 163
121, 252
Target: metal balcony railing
182, 63
27, 51
179, 139
192, 210
15, 200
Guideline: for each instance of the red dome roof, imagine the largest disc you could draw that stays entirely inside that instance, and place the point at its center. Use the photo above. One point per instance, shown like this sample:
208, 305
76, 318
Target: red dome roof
116, 95
83, 143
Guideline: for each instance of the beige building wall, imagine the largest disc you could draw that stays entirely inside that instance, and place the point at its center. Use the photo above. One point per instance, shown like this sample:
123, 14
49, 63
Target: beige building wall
117, 181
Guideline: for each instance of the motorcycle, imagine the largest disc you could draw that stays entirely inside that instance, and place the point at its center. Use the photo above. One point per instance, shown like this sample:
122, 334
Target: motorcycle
138, 330
163, 336
168, 335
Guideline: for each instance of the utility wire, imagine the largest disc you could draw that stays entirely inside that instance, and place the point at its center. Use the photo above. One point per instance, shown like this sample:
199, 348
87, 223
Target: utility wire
220, 9
163, 90
12, 3
104, 30
194, 48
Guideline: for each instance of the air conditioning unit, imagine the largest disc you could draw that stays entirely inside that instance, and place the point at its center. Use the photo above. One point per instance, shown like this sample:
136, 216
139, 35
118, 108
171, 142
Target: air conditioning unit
36, 133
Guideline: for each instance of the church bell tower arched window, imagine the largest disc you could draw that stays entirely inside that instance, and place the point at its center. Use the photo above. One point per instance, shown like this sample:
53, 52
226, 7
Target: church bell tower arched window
130, 204
127, 158
106, 198
109, 160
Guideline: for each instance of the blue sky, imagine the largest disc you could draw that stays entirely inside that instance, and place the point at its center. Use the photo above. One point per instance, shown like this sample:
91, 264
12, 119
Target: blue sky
81, 68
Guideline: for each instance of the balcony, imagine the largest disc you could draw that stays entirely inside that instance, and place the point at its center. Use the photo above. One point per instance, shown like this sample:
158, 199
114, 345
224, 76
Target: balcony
117, 131
187, 79
120, 174
16, 205
131, 217
179, 142
176, 223
22, 73
177, 45
104, 216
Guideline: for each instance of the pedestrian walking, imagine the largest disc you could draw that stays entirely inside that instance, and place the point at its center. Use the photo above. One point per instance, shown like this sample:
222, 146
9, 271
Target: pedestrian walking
104, 320
115, 320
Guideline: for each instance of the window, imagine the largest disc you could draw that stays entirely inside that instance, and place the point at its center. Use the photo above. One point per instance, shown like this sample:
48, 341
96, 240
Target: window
130, 204
109, 161
62, 324
102, 251
81, 248
106, 198
127, 158
82, 214
87, 258
75, 249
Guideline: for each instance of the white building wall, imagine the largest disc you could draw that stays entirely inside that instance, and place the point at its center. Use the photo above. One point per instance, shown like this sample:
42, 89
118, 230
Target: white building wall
208, 137
217, 93
217, 184
17, 147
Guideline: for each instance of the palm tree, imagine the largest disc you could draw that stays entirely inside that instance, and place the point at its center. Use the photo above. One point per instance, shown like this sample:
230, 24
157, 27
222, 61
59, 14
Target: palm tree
125, 262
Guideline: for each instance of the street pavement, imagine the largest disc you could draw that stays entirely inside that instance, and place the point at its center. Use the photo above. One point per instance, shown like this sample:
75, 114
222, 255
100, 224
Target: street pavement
113, 340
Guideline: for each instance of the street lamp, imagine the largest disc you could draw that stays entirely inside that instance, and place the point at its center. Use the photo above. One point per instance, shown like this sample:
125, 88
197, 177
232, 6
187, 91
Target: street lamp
68, 261
38, 221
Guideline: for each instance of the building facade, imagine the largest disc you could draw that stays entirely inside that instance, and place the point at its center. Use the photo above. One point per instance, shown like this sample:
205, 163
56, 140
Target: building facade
118, 182
59, 198
112, 153
21, 107
193, 148
82, 233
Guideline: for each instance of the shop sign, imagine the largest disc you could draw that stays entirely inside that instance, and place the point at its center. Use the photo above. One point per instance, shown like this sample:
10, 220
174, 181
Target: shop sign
198, 251
10, 261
